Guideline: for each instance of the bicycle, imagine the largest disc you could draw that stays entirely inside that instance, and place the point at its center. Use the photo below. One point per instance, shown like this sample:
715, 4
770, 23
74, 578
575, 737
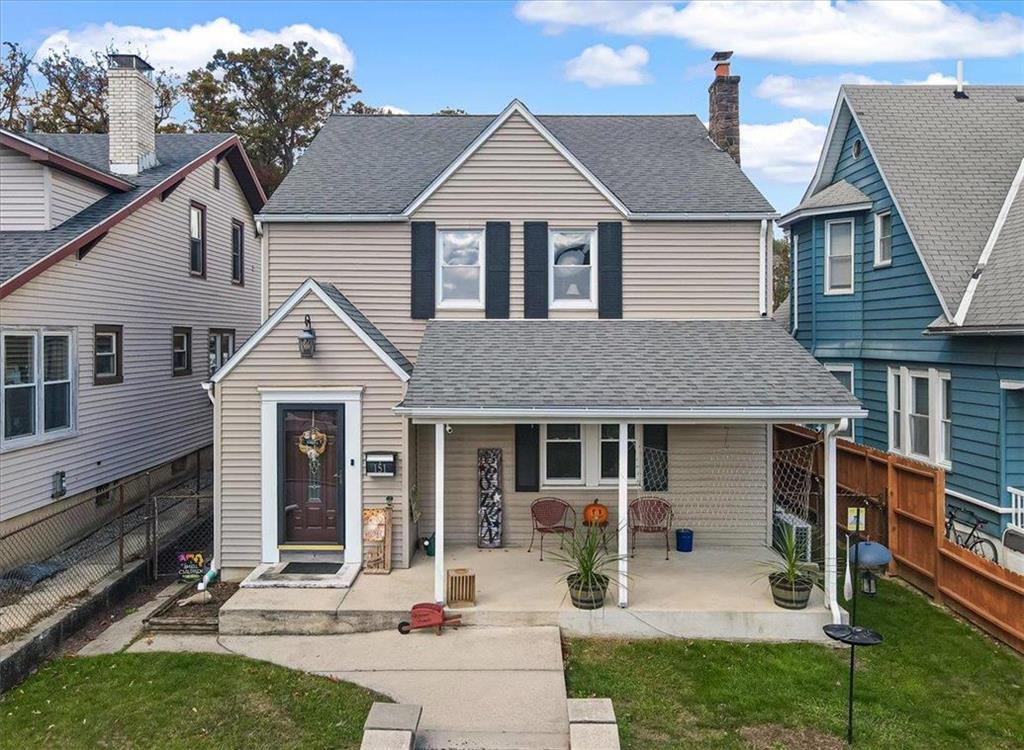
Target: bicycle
971, 539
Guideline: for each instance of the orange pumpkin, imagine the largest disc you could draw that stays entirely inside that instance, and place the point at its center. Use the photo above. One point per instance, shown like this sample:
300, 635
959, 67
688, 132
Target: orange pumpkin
595, 514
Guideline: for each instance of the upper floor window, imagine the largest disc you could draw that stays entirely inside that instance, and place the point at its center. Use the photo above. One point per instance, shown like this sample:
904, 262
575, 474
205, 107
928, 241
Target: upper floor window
883, 239
37, 383
844, 374
460, 272
108, 355
572, 269
197, 239
181, 351
220, 347
839, 256
920, 414
237, 252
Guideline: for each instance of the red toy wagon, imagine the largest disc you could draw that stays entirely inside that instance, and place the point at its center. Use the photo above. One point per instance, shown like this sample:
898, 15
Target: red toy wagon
428, 615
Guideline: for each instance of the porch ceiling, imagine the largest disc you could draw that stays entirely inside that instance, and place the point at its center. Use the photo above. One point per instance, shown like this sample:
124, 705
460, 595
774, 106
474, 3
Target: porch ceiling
653, 370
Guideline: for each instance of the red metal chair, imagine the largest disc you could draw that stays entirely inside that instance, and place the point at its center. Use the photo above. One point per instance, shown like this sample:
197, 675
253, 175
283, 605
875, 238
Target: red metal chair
551, 516
650, 515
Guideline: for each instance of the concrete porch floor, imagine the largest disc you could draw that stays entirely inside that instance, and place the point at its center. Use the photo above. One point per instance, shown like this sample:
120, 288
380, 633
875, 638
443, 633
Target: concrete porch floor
715, 592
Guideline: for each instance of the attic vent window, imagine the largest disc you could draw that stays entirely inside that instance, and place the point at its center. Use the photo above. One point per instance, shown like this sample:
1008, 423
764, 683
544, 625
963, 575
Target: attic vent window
858, 147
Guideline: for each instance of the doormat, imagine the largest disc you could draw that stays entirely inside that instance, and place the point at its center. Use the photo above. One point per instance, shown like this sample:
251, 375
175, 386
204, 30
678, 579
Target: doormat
311, 568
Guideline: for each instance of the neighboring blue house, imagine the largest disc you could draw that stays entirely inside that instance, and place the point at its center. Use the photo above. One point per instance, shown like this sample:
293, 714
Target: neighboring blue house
908, 280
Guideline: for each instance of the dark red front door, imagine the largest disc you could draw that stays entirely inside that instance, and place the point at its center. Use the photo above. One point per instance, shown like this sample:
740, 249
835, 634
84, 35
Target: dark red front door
311, 467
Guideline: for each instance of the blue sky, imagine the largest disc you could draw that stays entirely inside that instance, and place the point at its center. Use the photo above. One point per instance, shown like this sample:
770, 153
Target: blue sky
568, 57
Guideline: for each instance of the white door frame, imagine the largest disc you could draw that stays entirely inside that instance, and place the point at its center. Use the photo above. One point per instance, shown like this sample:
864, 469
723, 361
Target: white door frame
351, 398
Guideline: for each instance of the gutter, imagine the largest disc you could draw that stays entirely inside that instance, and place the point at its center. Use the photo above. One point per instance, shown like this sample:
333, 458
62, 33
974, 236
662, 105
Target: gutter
533, 414
208, 387
795, 216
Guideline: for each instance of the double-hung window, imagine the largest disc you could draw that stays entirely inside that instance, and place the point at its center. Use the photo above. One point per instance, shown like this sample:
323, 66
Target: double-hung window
460, 271
610, 452
563, 454
572, 269
38, 385
839, 256
844, 374
586, 454
108, 355
921, 414
883, 239
237, 252
197, 239
181, 351
220, 347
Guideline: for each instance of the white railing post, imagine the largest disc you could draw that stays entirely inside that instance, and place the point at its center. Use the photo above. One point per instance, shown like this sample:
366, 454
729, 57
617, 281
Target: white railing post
831, 546
623, 512
1016, 507
439, 433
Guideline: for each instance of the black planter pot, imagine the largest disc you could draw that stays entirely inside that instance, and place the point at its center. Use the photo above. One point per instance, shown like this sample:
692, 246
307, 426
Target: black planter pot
587, 594
788, 595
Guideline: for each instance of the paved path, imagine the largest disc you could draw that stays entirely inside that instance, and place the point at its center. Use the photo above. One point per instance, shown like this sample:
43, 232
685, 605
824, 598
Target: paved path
494, 688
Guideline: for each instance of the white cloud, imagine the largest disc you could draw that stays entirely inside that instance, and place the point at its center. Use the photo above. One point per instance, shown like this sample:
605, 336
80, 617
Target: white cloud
782, 151
187, 48
391, 109
803, 32
601, 65
819, 92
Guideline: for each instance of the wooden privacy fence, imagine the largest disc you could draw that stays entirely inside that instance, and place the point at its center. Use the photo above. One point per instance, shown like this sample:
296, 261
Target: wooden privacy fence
906, 502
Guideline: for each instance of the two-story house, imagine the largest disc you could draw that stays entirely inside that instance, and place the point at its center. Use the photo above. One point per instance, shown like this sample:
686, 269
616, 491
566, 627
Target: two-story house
468, 313
129, 268
908, 280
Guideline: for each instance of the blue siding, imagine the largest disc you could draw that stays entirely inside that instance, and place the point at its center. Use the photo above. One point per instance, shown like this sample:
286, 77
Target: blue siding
880, 325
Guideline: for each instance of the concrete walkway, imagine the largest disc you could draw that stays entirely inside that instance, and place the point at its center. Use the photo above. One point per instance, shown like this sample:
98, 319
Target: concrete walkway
496, 688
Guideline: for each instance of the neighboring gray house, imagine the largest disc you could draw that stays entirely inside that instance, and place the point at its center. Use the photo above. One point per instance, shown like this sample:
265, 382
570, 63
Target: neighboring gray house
567, 289
129, 269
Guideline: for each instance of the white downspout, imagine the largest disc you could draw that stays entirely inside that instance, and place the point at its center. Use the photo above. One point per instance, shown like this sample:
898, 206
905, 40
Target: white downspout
623, 513
831, 545
762, 252
439, 434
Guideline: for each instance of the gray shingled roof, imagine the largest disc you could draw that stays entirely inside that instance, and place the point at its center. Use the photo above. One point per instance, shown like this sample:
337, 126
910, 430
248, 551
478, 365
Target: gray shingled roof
364, 323
378, 164
949, 162
642, 364
837, 195
19, 250
999, 298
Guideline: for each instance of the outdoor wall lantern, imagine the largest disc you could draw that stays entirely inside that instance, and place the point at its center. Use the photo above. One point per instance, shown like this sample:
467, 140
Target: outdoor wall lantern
307, 341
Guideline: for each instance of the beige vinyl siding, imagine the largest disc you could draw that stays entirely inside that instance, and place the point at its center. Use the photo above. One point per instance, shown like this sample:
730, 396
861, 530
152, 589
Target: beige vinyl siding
718, 484
342, 361
705, 269
23, 203
69, 195
137, 277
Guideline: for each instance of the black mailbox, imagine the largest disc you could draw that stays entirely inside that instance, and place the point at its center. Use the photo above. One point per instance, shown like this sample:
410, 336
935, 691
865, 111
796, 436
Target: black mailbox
380, 464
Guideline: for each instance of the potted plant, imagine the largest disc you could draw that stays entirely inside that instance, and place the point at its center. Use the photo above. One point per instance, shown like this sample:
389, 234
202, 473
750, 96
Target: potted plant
589, 565
790, 578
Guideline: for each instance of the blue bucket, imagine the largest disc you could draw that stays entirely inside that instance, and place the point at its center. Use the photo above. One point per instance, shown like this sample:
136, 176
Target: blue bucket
684, 540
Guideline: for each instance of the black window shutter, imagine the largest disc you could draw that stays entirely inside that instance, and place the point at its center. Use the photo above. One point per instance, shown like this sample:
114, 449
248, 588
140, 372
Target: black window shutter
535, 251
423, 239
656, 459
497, 244
527, 458
609, 269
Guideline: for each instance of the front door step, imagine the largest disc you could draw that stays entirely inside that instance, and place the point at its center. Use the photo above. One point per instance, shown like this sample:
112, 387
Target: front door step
286, 575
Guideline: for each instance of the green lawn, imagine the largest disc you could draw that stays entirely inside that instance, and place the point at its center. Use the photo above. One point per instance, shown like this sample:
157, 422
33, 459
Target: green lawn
934, 683
185, 701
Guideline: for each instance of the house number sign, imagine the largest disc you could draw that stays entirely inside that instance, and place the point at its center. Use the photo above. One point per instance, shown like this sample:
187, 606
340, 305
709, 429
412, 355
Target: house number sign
380, 464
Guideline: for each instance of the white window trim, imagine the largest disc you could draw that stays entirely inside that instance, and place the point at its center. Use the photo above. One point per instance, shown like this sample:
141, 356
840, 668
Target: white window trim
566, 304
846, 367
878, 263
829, 291
459, 304
40, 436
590, 438
935, 378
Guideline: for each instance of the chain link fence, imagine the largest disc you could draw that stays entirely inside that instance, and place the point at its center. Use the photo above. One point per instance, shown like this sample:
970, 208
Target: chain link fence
54, 560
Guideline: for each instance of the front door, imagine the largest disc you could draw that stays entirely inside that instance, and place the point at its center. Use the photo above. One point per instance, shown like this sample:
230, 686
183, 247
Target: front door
311, 467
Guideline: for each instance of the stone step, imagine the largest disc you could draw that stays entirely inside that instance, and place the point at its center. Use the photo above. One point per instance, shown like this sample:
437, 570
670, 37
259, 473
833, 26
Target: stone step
435, 739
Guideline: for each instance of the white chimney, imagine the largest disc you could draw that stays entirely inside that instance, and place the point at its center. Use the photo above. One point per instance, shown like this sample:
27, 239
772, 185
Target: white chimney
131, 113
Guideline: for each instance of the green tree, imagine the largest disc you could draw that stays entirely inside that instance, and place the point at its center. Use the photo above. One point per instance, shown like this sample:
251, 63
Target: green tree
780, 269
14, 77
275, 98
451, 111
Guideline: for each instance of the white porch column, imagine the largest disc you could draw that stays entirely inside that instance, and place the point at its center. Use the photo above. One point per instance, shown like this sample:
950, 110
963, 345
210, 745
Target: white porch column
623, 512
439, 433
831, 554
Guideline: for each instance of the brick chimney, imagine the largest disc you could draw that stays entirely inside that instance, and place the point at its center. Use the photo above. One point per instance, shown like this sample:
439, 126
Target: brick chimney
724, 107
131, 113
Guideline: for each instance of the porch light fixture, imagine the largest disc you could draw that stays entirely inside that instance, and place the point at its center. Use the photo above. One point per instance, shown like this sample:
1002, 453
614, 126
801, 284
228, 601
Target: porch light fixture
307, 341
